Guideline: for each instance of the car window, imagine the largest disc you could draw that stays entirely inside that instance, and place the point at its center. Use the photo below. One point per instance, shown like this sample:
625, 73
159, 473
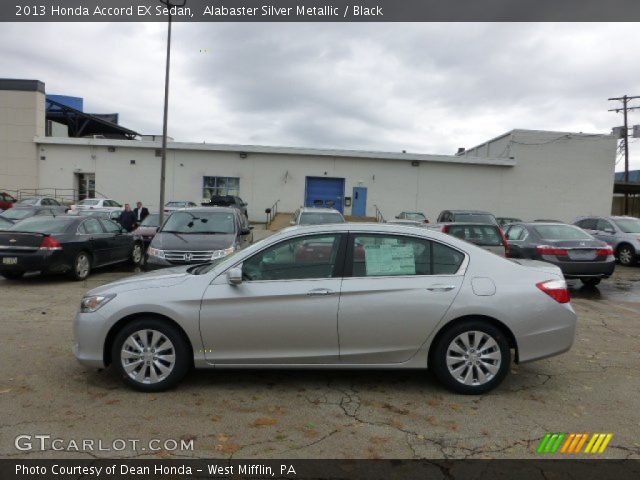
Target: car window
561, 232
628, 225
89, 202
603, 225
318, 218
517, 232
44, 224
476, 218
17, 213
588, 223
213, 222
92, 226
486, 235
111, 226
44, 211
295, 259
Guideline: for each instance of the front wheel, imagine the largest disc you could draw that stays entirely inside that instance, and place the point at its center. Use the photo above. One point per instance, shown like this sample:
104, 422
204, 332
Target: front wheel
590, 282
151, 355
626, 255
471, 357
137, 254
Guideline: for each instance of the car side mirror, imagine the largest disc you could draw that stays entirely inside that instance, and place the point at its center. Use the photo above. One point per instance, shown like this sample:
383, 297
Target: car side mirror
234, 276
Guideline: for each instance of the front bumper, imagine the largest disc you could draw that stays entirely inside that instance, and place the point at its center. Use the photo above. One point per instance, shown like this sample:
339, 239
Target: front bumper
88, 339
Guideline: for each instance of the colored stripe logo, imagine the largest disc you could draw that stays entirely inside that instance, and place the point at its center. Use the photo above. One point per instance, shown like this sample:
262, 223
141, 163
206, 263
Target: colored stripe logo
573, 443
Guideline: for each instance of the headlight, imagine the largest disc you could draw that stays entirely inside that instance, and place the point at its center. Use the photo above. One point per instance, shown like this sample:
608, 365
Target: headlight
222, 253
154, 252
94, 302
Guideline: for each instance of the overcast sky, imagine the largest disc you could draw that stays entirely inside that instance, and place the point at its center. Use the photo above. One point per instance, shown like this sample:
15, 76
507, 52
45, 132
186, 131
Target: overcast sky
427, 88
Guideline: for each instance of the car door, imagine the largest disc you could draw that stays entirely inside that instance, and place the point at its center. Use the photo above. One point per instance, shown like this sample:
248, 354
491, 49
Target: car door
284, 311
97, 239
396, 290
120, 243
605, 231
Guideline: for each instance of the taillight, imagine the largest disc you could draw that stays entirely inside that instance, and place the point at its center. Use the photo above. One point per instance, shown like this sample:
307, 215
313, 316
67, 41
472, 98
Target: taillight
604, 252
548, 250
50, 243
556, 289
445, 229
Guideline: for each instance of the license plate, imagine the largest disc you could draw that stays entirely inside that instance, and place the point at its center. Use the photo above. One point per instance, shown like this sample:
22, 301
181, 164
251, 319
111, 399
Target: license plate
582, 254
10, 261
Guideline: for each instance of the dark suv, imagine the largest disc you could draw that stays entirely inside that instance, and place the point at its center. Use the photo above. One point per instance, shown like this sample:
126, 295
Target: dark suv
198, 235
467, 216
228, 201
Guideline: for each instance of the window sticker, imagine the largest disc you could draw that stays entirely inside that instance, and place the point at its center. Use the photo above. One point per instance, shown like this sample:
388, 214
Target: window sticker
389, 259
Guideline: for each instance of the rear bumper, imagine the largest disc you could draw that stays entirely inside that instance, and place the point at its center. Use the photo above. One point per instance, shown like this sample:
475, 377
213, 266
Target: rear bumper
586, 269
554, 338
43, 261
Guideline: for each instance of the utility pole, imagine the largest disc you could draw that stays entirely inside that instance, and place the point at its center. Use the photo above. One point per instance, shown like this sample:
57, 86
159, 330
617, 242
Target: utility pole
625, 138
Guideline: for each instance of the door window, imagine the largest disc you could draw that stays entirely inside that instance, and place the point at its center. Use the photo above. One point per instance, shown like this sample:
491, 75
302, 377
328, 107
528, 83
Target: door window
394, 255
92, 226
588, 223
516, 233
111, 227
297, 258
603, 225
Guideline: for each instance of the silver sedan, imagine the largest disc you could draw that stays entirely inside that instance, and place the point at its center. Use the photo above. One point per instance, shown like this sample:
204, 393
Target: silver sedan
332, 296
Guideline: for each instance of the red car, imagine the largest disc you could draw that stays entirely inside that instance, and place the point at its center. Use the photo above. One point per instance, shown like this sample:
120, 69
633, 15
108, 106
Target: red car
6, 201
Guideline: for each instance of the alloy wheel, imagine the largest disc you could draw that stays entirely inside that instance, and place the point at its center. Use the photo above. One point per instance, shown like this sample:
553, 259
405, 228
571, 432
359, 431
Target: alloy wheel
148, 356
473, 358
136, 255
625, 255
82, 265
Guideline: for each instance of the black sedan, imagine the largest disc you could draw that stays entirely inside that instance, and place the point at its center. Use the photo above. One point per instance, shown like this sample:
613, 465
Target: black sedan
65, 244
578, 254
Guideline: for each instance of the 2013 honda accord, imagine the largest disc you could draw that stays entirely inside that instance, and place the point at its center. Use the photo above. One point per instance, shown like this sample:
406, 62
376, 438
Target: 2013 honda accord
332, 296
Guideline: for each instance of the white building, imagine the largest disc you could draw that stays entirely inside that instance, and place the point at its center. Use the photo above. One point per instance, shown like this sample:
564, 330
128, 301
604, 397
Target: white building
523, 173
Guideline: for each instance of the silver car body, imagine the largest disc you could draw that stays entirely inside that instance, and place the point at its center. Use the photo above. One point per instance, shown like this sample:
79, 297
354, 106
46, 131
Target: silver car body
297, 217
354, 322
608, 230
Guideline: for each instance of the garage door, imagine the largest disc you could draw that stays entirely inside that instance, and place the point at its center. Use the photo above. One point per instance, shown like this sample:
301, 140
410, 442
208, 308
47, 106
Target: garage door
324, 192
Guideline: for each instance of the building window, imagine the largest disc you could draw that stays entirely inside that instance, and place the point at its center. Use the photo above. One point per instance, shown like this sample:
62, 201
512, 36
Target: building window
213, 186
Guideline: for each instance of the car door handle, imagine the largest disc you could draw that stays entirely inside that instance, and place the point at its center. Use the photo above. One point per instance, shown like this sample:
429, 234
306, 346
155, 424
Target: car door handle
441, 288
320, 292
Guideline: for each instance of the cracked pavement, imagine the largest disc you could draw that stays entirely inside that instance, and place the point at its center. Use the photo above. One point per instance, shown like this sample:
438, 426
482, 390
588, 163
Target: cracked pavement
317, 414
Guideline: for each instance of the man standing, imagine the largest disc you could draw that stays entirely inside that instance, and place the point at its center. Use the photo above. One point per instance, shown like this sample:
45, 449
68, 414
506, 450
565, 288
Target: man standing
127, 218
140, 212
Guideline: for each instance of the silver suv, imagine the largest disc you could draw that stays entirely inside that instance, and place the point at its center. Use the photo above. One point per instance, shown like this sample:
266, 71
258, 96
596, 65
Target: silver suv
622, 233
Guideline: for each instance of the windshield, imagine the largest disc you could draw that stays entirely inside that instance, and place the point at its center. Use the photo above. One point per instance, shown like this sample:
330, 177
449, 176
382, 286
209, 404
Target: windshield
476, 218
89, 202
151, 220
200, 222
628, 225
17, 213
561, 232
43, 224
318, 218
479, 234
28, 201
419, 217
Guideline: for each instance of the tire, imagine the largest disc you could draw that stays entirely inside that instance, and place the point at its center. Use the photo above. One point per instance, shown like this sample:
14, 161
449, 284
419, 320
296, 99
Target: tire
138, 368
81, 266
12, 275
137, 254
626, 255
590, 282
494, 367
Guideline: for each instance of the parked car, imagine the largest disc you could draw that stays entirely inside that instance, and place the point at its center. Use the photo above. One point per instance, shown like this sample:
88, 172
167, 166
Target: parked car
64, 244
228, 201
108, 214
198, 235
417, 217
622, 233
467, 216
503, 221
6, 201
147, 229
489, 237
547, 220
578, 254
18, 213
316, 216
96, 204
5, 224
272, 306
177, 205
39, 202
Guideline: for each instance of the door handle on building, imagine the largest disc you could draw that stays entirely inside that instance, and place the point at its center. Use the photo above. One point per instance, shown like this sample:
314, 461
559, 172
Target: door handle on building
441, 288
320, 292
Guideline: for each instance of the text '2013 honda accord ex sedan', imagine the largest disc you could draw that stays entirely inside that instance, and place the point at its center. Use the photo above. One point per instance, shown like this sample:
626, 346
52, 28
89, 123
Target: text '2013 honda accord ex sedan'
332, 296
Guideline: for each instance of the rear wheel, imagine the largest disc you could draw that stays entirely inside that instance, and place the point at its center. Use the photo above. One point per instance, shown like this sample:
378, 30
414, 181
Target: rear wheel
471, 357
12, 275
151, 355
137, 254
626, 255
590, 282
81, 266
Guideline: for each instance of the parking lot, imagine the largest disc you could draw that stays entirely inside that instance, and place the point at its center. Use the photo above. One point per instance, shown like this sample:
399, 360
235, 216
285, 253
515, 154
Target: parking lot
317, 414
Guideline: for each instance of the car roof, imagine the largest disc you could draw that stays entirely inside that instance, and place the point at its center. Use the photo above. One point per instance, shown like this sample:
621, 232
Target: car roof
213, 208
468, 211
318, 210
467, 224
537, 224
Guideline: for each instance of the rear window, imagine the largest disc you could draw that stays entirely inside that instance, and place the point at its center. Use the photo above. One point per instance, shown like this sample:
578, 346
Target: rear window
28, 201
89, 202
419, 217
561, 232
318, 218
17, 213
44, 224
475, 218
485, 235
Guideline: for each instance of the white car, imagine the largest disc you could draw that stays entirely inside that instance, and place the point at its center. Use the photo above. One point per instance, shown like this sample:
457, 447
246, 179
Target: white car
105, 204
178, 205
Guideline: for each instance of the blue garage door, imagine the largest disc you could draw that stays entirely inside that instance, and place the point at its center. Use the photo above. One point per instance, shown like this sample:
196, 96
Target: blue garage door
324, 192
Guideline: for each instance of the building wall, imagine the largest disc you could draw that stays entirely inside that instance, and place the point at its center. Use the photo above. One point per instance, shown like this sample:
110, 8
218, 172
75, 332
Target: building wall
559, 178
22, 117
